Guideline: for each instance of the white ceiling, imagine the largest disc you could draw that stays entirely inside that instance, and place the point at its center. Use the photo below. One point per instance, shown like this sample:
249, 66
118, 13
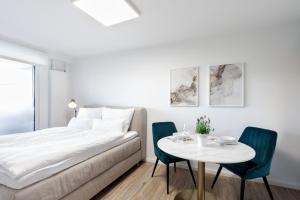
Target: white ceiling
56, 26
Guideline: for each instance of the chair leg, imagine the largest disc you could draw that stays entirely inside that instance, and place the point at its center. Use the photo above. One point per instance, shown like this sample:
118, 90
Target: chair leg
168, 178
191, 171
243, 181
154, 167
174, 166
216, 177
268, 187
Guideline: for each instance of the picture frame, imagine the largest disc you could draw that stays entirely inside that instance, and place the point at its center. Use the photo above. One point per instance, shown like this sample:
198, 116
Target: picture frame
184, 87
226, 85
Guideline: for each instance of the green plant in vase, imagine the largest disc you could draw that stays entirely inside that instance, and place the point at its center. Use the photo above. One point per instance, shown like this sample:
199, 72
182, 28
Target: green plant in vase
203, 125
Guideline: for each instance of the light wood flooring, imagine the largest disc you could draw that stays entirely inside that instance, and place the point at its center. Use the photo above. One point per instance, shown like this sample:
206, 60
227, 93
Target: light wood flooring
137, 184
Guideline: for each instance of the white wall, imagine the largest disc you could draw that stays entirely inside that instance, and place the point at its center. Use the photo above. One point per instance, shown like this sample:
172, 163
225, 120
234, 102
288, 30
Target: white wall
22, 53
58, 98
41, 97
51, 97
141, 78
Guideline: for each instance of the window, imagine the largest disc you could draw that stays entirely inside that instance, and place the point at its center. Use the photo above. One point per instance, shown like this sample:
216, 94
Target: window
16, 97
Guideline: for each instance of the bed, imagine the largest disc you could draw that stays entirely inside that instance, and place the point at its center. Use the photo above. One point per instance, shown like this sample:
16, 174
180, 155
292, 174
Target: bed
79, 180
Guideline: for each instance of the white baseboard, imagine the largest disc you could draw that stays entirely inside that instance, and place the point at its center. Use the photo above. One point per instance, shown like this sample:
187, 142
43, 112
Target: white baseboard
213, 170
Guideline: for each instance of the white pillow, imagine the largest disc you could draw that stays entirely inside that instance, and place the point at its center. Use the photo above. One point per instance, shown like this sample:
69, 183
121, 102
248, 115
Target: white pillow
80, 123
108, 125
90, 113
118, 114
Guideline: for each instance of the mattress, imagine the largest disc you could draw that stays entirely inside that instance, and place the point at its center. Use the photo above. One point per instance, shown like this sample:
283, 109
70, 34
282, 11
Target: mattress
27, 158
69, 180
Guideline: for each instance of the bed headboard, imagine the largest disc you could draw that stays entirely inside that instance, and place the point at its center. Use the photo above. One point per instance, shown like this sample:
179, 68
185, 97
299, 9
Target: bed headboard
138, 123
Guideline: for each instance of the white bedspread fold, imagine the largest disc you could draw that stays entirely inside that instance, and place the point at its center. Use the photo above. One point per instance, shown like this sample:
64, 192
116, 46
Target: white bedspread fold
26, 158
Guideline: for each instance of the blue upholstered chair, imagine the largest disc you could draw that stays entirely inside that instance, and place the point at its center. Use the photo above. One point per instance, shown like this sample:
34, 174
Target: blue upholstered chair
160, 130
263, 141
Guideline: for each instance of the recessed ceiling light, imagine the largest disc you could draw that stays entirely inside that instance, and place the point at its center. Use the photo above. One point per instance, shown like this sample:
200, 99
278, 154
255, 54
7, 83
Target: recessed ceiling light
108, 12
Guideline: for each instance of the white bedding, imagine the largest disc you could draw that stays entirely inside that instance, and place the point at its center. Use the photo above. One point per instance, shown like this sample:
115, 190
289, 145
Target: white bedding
26, 158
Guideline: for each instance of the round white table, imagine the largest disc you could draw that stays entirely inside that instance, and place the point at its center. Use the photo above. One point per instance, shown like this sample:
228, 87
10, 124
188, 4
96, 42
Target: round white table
202, 152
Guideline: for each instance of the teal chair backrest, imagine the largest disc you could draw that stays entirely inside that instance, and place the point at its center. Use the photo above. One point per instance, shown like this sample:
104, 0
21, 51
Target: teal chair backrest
160, 130
263, 141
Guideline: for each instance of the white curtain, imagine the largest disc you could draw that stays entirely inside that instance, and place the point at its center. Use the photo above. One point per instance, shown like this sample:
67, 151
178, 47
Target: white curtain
17, 97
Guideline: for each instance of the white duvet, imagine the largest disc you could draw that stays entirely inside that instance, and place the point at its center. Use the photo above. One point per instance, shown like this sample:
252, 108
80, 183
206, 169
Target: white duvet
26, 158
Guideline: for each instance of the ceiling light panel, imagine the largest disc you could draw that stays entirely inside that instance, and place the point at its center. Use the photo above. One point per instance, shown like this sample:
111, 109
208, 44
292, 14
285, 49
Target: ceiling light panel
107, 12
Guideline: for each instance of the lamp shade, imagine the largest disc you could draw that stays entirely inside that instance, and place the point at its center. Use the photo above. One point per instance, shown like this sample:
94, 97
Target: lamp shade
72, 104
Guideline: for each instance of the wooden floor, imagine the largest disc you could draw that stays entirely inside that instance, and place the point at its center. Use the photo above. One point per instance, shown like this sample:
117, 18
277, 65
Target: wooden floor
138, 184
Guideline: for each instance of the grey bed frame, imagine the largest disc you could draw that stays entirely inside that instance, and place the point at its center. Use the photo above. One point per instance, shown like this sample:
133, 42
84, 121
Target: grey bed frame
84, 180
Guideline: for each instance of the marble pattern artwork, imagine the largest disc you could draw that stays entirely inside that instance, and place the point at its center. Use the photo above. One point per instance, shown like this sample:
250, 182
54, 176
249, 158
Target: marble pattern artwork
184, 87
226, 85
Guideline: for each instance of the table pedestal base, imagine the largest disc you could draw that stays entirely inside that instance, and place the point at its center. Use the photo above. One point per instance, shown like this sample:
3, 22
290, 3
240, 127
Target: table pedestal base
192, 195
